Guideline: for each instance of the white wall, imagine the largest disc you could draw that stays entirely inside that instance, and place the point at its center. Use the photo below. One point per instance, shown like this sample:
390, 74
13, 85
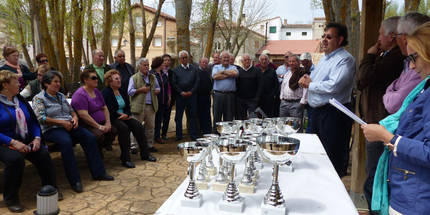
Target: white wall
261, 28
296, 34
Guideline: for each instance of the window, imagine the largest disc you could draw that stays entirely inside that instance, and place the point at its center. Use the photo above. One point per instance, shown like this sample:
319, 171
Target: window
288, 34
138, 42
115, 42
262, 27
272, 29
256, 44
138, 21
159, 23
157, 42
218, 45
304, 33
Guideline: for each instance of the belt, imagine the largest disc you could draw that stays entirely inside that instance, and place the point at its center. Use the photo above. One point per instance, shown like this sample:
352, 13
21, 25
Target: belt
224, 92
291, 100
149, 104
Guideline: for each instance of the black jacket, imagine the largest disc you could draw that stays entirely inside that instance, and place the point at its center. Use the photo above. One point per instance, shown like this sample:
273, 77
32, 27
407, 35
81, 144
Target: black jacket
112, 103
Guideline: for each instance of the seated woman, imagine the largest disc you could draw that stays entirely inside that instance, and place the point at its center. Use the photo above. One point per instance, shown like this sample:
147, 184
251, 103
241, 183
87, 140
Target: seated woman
60, 126
92, 110
119, 108
407, 137
11, 55
19, 139
33, 87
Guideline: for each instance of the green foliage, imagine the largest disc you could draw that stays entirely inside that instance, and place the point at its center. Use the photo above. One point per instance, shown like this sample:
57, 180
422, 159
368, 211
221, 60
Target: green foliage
12, 14
393, 9
424, 7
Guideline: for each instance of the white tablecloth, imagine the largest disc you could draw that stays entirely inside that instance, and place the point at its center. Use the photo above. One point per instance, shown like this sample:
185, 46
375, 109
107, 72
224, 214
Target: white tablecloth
313, 188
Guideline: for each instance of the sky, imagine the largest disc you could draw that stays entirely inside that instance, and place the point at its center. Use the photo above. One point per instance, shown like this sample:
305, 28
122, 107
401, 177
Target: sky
295, 11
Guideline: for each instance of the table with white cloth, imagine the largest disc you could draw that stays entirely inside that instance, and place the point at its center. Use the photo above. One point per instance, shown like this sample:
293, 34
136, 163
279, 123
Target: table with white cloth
312, 188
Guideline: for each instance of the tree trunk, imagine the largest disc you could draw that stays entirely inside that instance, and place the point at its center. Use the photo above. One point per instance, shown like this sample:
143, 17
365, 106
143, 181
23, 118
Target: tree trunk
35, 25
145, 46
107, 28
142, 7
132, 36
411, 5
211, 29
240, 44
120, 31
57, 9
22, 39
78, 12
328, 11
238, 28
183, 13
69, 45
90, 28
47, 45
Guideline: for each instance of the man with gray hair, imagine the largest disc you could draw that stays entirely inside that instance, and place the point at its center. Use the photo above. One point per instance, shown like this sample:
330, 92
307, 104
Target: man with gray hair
409, 78
248, 83
125, 69
382, 64
224, 88
101, 68
268, 92
185, 81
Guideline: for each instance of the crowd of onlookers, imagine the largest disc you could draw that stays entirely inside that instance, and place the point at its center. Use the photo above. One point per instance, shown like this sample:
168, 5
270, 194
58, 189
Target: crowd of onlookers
120, 100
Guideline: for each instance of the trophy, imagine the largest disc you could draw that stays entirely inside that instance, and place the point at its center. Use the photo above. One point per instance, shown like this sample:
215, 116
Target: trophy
203, 174
220, 182
250, 174
278, 150
210, 164
286, 126
233, 151
193, 152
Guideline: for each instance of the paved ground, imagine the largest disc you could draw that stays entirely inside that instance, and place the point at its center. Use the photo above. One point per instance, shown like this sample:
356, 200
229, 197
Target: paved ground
141, 190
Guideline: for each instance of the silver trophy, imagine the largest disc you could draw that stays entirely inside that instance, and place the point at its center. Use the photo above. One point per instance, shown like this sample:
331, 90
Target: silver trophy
278, 150
285, 126
210, 164
193, 152
233, 151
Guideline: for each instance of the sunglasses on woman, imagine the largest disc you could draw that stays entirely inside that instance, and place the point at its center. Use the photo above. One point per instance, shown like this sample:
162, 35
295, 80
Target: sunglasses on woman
93, 78
413, 57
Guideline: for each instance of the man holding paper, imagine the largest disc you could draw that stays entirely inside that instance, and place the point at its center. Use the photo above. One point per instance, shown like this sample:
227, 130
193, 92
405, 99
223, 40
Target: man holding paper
332, 78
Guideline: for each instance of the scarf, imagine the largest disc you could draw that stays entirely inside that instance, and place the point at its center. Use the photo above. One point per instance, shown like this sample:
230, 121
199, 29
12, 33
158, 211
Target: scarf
21, 123
294, 80
380, 198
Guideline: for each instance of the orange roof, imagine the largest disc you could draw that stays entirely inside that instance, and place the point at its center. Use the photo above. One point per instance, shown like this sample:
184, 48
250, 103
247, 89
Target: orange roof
153, 10
279, 47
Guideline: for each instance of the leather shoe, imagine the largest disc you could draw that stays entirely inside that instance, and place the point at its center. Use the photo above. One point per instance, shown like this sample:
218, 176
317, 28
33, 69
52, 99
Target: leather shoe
77, 187
153, 149
104, 177
108, 147
16, 208
128, 164
149, 158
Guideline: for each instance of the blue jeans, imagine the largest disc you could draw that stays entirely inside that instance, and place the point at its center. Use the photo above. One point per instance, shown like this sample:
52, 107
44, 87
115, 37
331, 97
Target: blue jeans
64, 139
190, 104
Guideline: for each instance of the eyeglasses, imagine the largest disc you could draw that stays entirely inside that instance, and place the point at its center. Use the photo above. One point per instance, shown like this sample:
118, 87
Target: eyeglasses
413, 57
44, 61
94, 78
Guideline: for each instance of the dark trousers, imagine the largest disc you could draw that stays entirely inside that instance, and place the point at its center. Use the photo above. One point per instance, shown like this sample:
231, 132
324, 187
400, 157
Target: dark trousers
204, 113
223, 108
245, 108
309, 110
162, 112
124, 127
102, 138
64, 139
14, 168
166, 120
190, 104
373, 153
334, 130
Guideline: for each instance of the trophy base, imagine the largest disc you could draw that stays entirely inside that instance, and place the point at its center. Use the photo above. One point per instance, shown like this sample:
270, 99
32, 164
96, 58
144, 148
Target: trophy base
271, 210
202, 185
244, 188
232, 207
212, 172
260, 165
219, 186
191, 203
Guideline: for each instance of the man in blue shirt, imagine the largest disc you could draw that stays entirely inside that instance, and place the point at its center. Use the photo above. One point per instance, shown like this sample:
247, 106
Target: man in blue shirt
333, 77
224, 89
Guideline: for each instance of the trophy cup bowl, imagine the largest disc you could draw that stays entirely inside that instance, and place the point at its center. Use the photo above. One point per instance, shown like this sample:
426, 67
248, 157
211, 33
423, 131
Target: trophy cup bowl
224, 128
210, 164
277, 149
193, 152
288, 125
234, 151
